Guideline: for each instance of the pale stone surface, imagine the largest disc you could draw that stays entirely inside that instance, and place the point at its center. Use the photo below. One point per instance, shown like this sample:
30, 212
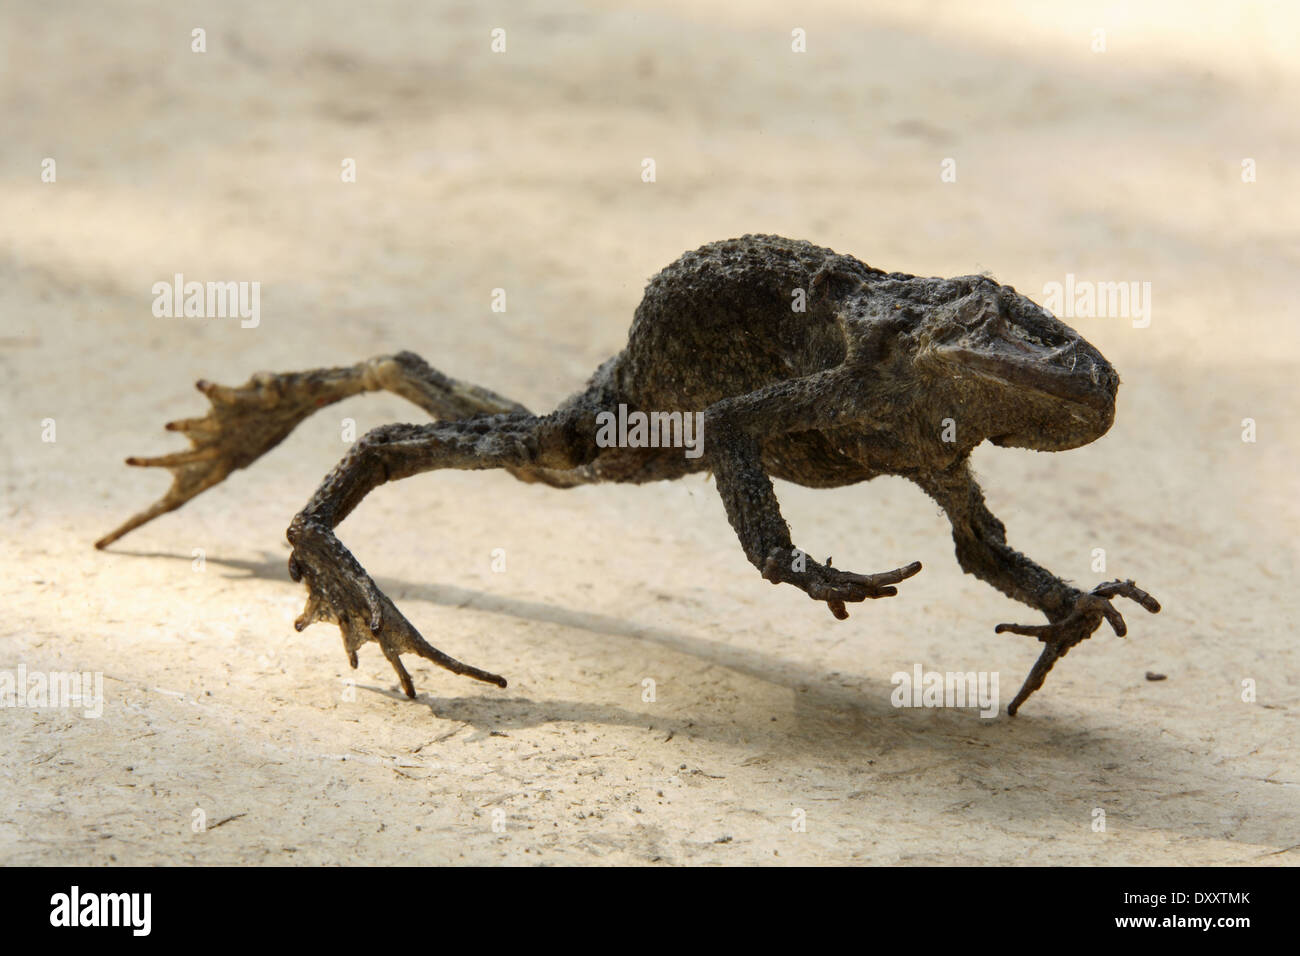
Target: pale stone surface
522, 171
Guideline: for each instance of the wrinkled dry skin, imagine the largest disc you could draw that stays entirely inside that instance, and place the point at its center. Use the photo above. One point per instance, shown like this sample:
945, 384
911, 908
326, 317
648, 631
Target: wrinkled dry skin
808, 366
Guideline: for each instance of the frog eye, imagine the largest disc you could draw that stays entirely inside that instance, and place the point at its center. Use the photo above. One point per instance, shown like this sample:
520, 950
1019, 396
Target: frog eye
976, 310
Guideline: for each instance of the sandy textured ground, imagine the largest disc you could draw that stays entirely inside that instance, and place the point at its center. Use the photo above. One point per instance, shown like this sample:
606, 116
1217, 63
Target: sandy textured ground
522, 171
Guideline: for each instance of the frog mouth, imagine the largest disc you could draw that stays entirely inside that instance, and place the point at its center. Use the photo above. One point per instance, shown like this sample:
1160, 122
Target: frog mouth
1050, 372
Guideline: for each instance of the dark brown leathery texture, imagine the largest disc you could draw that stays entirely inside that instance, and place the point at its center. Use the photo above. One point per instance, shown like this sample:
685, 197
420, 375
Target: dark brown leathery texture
804, 364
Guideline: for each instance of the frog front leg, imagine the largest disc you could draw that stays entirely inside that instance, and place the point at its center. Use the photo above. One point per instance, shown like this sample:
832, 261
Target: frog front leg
982, 550
734, 430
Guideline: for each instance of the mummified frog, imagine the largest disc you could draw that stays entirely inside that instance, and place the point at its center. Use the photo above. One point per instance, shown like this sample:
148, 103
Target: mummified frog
808, 366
